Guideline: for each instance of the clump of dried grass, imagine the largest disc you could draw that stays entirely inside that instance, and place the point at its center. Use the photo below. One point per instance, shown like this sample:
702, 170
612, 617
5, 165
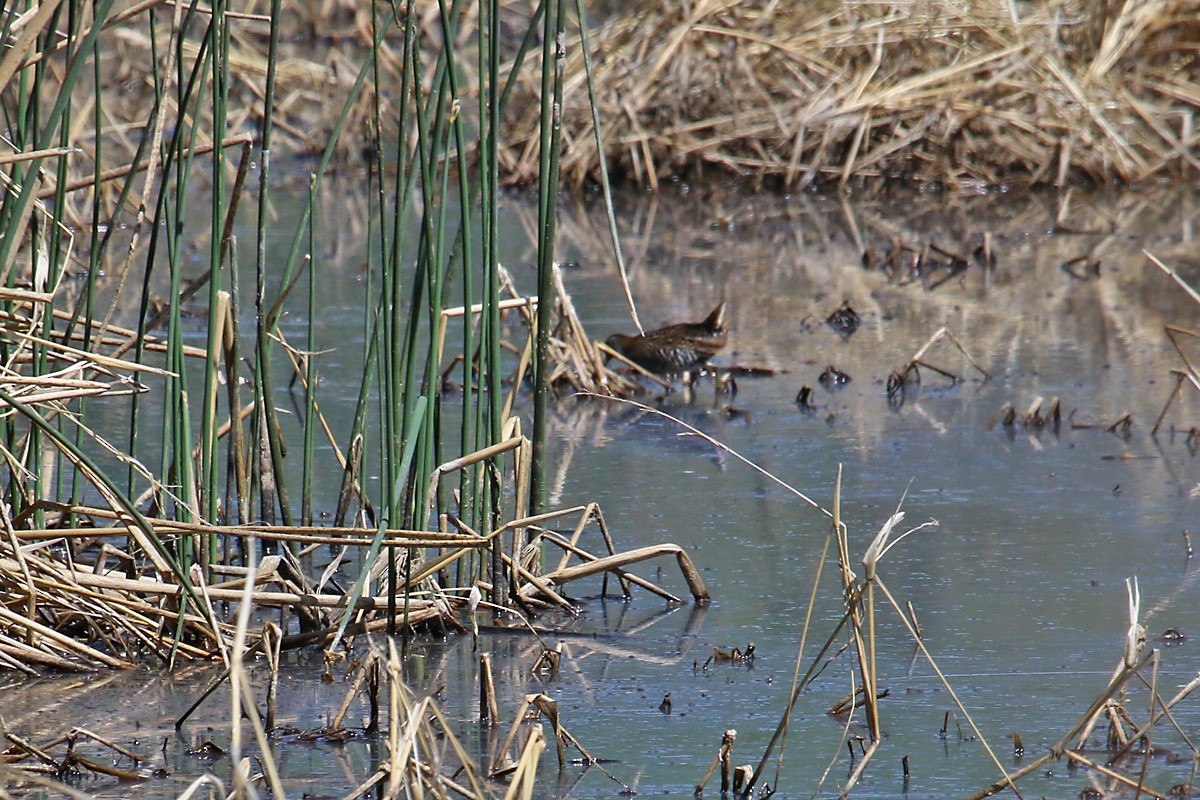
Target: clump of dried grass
934, 91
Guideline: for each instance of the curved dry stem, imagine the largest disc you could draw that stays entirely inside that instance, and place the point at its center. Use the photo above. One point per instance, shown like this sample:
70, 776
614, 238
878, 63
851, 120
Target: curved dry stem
715, 443
946, 682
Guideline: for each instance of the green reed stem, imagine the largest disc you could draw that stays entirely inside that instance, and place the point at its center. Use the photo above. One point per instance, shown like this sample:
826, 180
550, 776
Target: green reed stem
553, 58
310, 378
490, 332
264, 320
220, 93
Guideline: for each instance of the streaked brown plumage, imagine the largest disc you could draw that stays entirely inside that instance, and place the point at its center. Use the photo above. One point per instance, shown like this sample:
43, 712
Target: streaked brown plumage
675, 348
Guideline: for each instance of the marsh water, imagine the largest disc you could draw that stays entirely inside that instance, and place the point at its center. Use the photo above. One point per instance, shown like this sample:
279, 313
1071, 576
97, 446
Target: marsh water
1020, 589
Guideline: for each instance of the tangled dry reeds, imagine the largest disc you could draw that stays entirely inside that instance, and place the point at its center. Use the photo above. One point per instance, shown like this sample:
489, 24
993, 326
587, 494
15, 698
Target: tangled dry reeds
943, 92
790, 94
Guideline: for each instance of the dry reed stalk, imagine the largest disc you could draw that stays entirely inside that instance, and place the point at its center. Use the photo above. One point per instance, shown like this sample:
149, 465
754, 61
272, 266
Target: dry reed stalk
524, 774
74, 580
936, 92
133, 610
613, 563
1174, 332
1079, 758
860, 600
242, 703
396, 537
578, 363
723, 757
588, 558
910, 371
489, 711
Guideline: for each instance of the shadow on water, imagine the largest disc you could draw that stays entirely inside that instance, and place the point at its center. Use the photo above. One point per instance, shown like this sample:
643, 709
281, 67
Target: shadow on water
1020, 590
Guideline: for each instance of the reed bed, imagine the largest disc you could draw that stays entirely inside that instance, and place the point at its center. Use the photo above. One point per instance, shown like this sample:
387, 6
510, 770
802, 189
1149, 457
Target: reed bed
142, 353
940, 93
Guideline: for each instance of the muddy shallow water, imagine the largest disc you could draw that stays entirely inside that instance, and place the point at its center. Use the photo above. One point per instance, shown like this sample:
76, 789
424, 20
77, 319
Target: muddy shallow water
1020, 590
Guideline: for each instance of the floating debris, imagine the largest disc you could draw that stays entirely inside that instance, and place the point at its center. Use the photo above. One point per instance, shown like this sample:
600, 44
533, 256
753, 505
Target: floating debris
930, 263
1038, 415
1083, 268
845, 320
1120, 426
734, 412
899, 381
804, 399
833, 378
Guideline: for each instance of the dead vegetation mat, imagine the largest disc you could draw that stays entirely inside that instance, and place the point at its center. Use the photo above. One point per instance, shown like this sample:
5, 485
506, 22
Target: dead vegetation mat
956, 93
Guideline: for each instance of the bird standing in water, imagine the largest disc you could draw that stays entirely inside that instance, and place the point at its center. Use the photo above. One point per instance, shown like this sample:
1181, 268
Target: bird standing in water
676, 348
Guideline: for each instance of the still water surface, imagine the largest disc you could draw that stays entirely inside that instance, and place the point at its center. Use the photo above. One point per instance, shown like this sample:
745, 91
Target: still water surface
1019, 589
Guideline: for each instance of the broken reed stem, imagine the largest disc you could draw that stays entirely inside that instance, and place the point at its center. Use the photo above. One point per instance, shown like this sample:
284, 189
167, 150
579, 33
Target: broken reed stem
498, 766
1164, 711
864, 646
858, 769
360, 675
524, 777
722, 757
727, 742
798, 687
1173, 275
1111, 773
396, 723
489, 711
1148, 735
272, 638
615, 563
242, 702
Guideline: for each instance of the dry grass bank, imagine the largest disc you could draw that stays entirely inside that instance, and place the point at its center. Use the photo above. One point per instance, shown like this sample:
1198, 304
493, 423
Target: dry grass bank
935, 91
786, 94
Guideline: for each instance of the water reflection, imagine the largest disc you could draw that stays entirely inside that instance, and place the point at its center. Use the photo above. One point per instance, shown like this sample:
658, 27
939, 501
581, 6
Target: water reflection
1019, 592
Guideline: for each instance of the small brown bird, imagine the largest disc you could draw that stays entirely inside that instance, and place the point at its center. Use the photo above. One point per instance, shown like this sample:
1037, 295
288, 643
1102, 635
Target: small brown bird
675, 348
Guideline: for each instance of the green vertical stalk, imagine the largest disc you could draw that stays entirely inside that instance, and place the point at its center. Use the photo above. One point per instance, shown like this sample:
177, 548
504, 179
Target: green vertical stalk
238, 455
392, 359
94, 239
392, 377
490, 334
264, 319
553, 56
310, 378
44, 239
177, 456
407, 365
209, 423
466, 426
55, 263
